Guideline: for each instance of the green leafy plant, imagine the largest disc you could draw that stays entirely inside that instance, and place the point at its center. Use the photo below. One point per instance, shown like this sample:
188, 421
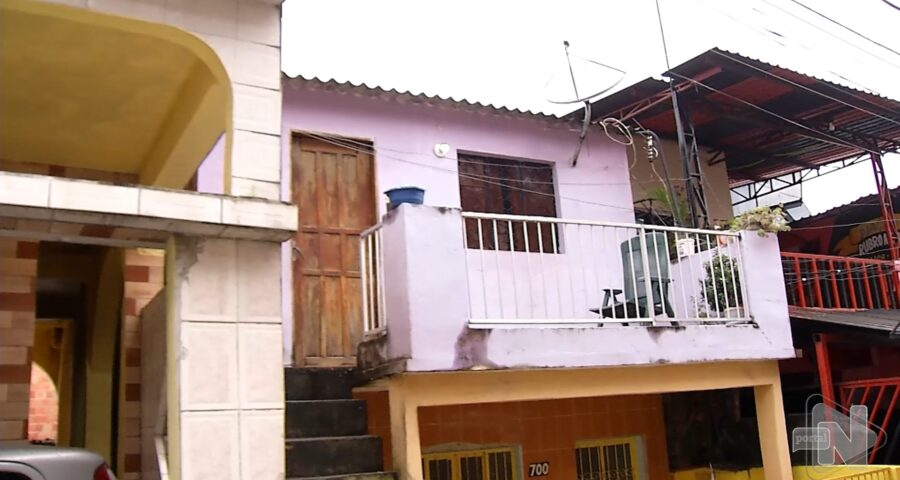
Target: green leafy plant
763, 220
677, 207
722, 286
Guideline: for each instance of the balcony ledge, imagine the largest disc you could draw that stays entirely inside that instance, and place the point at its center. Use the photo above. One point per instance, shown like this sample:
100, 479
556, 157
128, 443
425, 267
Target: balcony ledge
50, 208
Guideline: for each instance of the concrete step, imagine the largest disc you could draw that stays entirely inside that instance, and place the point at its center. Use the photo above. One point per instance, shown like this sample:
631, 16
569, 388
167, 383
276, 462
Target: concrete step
320, 383
353, 476
324, 456
325, 418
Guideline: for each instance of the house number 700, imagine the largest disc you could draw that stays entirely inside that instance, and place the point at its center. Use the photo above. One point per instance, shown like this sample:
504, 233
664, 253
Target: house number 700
539, 469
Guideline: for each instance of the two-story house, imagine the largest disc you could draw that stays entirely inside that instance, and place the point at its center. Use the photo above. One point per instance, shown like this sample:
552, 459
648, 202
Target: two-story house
140, 230
520, 322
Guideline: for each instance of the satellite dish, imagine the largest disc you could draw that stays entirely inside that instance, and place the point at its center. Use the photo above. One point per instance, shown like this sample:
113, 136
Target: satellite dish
590, 78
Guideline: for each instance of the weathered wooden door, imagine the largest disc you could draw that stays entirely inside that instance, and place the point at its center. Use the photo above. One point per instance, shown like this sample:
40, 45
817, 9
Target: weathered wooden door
334, 189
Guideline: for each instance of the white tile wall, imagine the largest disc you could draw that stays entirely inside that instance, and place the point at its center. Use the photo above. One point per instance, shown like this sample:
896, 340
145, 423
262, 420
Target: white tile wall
261, 373
231, 384
92, 196
208, 290
180, 205
259, 214
256, 156
259, 22
257, 65
262, 454
26, 190
150, 10
225, 48
213, 17
210, 445
245, 187
258, 289
208, 370
257, 109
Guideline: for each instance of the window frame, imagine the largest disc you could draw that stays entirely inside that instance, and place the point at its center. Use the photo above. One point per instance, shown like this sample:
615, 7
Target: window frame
455, 455
499, 161
509, 235
637, 448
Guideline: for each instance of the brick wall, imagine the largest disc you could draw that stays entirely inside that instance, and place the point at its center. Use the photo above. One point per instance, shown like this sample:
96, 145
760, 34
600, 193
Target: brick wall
43, 408
18, 269
546, 430
143, 274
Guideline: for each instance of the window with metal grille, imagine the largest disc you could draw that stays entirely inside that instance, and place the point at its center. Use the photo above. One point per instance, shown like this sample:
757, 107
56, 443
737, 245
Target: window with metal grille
508, 187
491, 464
610, 459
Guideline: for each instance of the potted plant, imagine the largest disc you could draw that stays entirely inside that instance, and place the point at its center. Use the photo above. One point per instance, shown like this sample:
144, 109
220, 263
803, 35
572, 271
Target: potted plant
413, 195
678, 208
721, 287
763, 220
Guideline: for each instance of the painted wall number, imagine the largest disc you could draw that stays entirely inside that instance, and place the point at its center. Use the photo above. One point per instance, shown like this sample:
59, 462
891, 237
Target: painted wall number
539, 469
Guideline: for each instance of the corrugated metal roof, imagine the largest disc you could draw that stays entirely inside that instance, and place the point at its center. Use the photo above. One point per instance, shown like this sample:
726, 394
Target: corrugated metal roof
867, 200
880, 320
766, 119
834, 78
420, 96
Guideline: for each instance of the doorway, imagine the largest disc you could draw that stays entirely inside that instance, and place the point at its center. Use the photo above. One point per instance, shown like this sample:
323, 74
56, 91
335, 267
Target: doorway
333, 186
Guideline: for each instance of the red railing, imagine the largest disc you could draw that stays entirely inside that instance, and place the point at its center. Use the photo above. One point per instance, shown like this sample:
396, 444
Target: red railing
840, 283
880, 396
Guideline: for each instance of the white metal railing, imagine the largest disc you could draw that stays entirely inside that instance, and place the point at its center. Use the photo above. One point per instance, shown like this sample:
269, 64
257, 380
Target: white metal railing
371, 274
545, 271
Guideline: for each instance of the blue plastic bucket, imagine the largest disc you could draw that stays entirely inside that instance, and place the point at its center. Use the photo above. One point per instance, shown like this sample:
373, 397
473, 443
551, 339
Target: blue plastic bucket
414, 195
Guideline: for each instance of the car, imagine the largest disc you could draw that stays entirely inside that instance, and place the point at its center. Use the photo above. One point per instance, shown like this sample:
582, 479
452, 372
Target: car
37, 462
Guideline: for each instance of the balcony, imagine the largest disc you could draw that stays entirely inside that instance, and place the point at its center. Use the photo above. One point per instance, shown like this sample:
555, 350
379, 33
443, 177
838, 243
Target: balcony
840, 283
447, 290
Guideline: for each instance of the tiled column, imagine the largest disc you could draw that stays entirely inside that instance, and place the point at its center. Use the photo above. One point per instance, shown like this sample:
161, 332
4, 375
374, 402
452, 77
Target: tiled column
246, 34
143, 274
225, 374
18, 269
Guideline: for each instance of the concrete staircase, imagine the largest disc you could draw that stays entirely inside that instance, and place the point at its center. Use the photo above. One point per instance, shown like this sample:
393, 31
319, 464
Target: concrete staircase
325, 428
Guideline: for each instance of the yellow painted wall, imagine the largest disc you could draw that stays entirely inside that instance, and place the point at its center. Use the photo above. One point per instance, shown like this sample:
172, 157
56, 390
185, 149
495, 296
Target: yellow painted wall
715, 185
101, 338
800, 473
162, 134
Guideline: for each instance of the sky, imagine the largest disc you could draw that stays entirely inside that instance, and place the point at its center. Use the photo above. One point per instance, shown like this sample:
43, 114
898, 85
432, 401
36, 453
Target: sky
511, 53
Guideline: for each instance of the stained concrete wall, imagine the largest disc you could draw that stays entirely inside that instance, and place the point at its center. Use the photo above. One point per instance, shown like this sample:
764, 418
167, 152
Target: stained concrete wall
428, 309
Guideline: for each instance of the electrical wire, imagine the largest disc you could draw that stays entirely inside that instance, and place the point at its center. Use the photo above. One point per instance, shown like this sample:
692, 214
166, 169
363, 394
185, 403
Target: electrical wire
895, 7
822, 15
768, 34
365, 147
830, 33
340, 141
471, 177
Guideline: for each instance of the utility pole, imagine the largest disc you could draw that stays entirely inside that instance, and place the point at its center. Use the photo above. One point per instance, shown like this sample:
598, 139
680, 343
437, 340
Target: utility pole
690, 161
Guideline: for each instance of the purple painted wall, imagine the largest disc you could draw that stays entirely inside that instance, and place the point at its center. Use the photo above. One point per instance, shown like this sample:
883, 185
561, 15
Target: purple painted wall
404, 132
211, 172
404, 135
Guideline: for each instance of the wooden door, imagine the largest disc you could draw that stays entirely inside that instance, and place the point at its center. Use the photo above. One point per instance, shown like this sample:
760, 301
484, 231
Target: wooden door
334, 189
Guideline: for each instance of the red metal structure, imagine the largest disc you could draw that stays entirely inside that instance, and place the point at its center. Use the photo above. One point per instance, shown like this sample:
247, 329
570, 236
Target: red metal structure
880, 396
839, 283
765, 121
